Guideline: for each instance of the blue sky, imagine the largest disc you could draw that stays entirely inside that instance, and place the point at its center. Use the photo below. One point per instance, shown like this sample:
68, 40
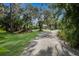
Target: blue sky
39, 5
44, 6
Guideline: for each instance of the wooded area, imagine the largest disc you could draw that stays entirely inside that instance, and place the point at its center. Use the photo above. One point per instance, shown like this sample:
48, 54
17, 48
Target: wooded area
16, 20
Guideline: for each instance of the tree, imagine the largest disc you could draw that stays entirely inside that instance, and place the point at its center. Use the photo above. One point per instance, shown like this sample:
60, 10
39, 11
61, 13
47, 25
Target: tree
70, 23
48, 19
30, 12
11, 21
2, 15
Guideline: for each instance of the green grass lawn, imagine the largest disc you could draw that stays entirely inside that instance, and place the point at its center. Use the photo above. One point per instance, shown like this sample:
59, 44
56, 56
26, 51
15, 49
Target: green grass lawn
13, 44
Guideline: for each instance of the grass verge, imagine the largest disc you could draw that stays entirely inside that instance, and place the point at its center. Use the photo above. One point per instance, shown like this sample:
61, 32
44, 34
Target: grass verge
13, 44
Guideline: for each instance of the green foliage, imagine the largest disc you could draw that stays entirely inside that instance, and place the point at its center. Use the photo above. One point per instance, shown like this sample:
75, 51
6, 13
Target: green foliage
11, 22
68, 34
72, 25
69, 25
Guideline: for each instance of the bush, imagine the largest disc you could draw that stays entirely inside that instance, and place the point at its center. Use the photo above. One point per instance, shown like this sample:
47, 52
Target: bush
69, 33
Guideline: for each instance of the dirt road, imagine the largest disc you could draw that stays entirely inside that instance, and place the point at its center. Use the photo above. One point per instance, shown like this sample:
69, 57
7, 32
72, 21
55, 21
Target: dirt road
48, 44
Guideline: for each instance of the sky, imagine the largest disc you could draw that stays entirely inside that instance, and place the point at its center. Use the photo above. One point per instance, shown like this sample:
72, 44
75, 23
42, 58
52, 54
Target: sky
44, 6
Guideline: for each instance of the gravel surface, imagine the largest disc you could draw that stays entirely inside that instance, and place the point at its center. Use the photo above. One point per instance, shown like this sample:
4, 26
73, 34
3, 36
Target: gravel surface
49, 44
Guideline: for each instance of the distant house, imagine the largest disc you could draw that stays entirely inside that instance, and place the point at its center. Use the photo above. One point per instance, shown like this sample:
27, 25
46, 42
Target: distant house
34, 21
45, 26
